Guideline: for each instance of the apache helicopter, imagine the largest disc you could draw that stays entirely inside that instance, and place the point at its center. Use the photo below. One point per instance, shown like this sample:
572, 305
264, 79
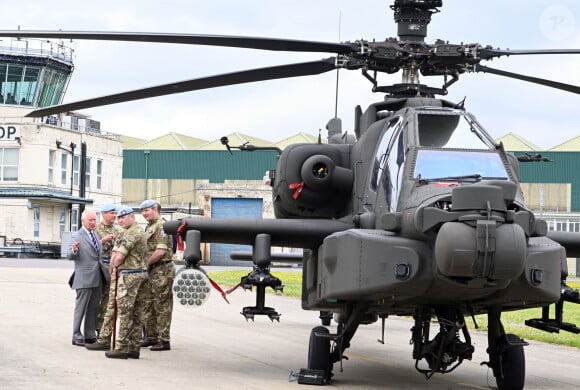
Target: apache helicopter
420, 215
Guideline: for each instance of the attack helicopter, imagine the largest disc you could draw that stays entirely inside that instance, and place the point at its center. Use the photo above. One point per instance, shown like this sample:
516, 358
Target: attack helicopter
419, 214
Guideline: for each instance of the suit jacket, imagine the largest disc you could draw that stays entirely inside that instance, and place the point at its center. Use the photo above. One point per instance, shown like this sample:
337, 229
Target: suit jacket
89, 272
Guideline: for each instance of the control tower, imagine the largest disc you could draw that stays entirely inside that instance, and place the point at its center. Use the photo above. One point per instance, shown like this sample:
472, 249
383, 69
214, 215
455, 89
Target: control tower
50, 167
33, 72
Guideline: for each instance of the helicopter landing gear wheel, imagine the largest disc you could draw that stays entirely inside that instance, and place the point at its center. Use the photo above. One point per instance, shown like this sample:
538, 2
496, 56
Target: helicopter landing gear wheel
319, 351
513, 365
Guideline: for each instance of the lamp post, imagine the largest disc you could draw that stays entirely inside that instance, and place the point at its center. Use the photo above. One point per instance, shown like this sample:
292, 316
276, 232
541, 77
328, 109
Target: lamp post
146, 153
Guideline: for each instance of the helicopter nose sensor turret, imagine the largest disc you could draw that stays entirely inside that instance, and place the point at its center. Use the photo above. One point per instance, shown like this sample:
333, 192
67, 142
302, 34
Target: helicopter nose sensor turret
313, 180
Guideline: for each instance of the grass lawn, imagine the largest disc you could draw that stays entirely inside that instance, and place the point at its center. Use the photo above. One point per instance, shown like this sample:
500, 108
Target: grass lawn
513, 321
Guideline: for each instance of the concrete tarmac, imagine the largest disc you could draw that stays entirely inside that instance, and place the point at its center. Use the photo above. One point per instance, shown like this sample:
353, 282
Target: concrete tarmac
214, 347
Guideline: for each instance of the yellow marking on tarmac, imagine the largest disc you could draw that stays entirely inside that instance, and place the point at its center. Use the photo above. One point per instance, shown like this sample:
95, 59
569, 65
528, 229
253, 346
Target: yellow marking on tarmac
434, 377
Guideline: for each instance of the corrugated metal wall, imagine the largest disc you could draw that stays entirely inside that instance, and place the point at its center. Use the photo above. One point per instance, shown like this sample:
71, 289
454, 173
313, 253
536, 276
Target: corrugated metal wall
213, 165
565, 168
217, 166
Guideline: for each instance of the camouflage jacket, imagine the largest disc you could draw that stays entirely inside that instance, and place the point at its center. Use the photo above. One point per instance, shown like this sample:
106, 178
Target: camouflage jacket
131, 242
157, 239
104, 230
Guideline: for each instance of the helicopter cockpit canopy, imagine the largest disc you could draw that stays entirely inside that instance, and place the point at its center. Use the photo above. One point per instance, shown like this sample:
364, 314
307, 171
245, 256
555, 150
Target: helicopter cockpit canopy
452, 145
451, 129
452, 164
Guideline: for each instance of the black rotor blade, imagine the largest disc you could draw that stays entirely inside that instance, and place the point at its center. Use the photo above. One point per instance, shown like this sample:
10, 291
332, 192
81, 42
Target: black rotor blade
535, 80
241, 77
487, 53
190, 39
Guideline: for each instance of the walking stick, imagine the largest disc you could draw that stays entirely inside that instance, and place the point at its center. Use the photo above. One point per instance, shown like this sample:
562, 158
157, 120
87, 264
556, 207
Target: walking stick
115, 312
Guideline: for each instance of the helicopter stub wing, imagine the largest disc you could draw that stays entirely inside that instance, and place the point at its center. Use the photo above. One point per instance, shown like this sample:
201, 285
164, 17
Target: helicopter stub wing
569, 240
294, 233
279, 257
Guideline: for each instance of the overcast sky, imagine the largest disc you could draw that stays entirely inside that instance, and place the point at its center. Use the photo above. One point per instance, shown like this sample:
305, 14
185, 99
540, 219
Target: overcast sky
274, 110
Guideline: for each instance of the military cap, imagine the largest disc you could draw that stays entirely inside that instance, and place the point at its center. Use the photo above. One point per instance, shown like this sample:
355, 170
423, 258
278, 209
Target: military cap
123, 210
108, 207
147, 203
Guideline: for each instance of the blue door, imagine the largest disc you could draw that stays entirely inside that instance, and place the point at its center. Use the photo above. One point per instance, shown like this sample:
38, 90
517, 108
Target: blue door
233, 208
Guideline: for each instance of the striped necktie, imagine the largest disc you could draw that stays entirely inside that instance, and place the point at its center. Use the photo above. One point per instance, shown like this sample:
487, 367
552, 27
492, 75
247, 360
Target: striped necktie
94, 239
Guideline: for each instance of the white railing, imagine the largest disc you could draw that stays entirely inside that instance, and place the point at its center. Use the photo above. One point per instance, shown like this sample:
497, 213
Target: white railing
37, 47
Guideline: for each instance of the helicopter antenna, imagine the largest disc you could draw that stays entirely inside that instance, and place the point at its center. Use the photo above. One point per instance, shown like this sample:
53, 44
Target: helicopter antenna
461, 104
337, 70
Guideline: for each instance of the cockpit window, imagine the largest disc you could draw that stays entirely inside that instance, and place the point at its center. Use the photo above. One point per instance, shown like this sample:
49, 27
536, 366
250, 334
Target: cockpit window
451, 130
380, 161
433, 164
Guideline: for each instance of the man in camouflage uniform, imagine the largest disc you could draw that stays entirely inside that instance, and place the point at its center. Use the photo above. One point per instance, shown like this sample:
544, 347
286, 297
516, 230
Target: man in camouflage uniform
128, 265
107, 231
159, 294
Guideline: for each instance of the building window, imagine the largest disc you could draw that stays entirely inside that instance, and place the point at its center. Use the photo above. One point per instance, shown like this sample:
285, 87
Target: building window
63, 165
99, 174
36, 211
76, 163
88, 173
51, 159
74, 218
61, 221
74, 122
9, 164
564, 225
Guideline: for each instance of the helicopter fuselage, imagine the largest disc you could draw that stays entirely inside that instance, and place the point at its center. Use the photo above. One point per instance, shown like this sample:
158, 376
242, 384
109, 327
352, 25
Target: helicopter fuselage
439, 218
435, 216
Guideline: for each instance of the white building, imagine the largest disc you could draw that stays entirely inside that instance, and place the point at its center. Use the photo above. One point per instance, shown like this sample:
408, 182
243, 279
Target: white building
44, 180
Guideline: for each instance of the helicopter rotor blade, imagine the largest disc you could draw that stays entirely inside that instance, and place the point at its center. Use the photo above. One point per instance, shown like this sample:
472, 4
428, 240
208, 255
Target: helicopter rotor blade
220, 80
275, 44
535, 80
488, 53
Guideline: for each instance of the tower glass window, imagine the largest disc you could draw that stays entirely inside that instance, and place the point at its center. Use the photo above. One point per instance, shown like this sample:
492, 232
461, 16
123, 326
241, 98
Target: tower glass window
53, 84
34, 72
18, 85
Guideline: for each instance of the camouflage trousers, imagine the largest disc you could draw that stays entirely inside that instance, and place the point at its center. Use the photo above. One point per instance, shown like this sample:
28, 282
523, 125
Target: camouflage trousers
105, 291
159, 301
108, 314
130, 310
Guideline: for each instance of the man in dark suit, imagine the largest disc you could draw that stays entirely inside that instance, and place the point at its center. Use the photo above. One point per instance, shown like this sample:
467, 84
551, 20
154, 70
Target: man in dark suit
88, 279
